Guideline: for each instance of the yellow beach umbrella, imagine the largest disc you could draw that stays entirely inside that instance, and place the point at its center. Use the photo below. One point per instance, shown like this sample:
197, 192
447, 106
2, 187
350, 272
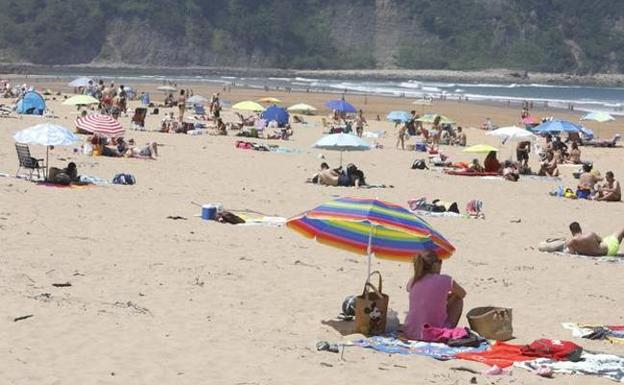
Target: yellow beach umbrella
81, 100
302, 107
269, 100
481, 149
248, 105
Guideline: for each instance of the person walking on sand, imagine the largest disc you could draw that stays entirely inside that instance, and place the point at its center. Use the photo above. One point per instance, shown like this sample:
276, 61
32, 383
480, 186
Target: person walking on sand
360, 121
401, 137
182, 105
592, 244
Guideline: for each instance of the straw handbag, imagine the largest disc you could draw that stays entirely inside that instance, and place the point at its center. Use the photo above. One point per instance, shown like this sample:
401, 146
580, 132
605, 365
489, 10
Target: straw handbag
493, 323
371, 309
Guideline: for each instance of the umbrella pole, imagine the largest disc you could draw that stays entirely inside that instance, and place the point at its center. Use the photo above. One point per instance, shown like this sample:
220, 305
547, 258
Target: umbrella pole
45, 175
341, 158
369, 252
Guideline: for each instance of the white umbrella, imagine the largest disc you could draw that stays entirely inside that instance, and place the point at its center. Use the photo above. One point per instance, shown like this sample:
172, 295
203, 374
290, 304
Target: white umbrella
599, 116
196, 99
513, 134
342, 142
80, 82
46, 134
302, 107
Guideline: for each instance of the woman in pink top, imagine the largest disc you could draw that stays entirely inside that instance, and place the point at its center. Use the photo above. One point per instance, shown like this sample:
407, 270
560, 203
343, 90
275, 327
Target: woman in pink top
434, 299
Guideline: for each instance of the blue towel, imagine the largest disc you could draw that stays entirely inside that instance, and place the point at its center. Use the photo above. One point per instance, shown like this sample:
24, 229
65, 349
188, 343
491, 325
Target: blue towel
393, 345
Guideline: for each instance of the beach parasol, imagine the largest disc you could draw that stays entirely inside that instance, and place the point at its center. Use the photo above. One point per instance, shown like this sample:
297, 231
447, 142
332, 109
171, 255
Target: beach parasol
279, 114
342, 142
340, 106
80, 100
269, 100
399, 116
196, 99
557, 126
430, 118
371, 227
513, 134
598, 116
481, 149
302, 107
103, 125
46, 134
80, 82
248, 106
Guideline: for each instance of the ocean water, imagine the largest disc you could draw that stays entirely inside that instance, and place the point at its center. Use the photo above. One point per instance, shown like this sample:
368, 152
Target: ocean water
583, 98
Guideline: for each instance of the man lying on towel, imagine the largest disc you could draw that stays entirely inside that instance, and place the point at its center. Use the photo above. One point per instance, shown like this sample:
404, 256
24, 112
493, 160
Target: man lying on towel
591, 244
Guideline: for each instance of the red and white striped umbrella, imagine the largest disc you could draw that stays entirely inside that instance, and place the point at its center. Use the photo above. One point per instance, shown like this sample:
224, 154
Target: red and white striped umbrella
104, 125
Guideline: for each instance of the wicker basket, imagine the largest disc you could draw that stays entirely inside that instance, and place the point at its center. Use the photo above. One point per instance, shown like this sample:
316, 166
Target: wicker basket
493, 323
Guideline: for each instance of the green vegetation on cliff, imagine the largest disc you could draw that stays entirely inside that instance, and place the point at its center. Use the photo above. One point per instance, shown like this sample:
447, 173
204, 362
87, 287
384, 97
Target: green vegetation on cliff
547, 35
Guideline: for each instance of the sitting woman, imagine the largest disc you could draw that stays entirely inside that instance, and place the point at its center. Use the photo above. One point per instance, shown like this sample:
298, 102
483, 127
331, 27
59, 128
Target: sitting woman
435, 300
491, 164
549, 166
63, 176
575, 154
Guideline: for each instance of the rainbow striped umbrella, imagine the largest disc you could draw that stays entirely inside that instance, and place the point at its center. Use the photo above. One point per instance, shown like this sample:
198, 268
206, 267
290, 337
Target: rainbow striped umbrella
371, 227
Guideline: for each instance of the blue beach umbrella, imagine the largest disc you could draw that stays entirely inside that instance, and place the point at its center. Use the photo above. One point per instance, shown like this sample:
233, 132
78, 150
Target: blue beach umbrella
557, 126
399, 116
279, 114
340, 106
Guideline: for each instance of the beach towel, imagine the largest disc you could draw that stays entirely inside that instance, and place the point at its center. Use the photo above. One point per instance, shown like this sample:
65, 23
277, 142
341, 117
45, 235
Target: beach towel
616, 259
611, 333
394, 345
469, 173
604, 365
65, 186
500, 354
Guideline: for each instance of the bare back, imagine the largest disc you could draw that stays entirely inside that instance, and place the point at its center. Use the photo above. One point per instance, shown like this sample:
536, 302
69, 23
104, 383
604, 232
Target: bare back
587, 244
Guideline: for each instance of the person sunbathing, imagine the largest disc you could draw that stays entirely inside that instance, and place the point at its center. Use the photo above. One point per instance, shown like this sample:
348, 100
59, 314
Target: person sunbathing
148, 151
511, 172
575, 154
591, 244
63, 176
475, 166
326, 176
434, 299
491, 164
460, 138
549, 166
587, 182
610, 190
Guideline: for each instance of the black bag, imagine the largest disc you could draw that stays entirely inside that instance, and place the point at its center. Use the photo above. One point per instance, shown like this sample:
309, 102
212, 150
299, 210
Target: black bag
419, 164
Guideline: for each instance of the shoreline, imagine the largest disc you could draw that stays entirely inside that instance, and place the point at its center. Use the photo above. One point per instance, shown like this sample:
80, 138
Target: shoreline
500, 76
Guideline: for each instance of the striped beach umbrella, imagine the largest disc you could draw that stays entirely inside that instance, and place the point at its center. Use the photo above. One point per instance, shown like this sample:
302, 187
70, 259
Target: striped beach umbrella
103, 125
371, 227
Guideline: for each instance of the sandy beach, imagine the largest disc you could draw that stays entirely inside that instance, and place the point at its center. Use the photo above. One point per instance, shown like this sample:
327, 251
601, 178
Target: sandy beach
156, 300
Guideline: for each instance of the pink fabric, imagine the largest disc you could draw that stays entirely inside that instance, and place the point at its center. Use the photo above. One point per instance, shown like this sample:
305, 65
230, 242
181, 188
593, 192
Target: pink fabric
443, 335
427, 298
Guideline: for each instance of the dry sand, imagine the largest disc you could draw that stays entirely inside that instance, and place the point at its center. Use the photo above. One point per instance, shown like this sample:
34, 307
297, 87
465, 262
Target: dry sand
185, 302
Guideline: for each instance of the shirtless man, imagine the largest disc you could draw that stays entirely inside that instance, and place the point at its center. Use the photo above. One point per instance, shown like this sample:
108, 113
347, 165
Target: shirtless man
587, 182
609, 191
591, 244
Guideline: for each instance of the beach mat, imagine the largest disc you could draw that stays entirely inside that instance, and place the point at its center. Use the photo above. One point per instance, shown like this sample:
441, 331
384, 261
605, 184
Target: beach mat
394, 345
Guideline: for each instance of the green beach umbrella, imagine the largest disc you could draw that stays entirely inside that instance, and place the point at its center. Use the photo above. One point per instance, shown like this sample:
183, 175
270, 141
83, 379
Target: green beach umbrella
481, 149
429, 118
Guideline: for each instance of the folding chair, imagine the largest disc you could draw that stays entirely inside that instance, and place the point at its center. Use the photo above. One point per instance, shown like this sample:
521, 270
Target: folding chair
28, 162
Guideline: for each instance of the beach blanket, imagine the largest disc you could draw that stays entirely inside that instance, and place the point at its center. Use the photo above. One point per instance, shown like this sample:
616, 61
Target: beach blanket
611, 333
63, 186
500, 354
469, 173
597, 364
252, 219
617, 259
394, 345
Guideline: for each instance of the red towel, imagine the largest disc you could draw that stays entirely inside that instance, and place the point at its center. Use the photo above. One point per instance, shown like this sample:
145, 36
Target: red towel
500, 354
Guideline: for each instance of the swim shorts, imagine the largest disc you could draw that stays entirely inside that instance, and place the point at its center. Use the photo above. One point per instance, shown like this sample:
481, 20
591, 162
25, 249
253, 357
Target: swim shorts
612, 244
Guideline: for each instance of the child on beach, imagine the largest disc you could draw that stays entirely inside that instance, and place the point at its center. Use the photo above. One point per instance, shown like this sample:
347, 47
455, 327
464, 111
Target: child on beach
434, 299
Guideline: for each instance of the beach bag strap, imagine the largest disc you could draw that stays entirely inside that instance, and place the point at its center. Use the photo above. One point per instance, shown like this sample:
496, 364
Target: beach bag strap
375, 289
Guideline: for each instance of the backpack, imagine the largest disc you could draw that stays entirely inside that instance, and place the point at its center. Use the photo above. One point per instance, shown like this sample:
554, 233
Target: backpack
127, 179
419, 164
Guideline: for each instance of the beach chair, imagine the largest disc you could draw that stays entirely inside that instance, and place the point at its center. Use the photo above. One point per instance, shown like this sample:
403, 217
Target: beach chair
28, 162
199, 109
